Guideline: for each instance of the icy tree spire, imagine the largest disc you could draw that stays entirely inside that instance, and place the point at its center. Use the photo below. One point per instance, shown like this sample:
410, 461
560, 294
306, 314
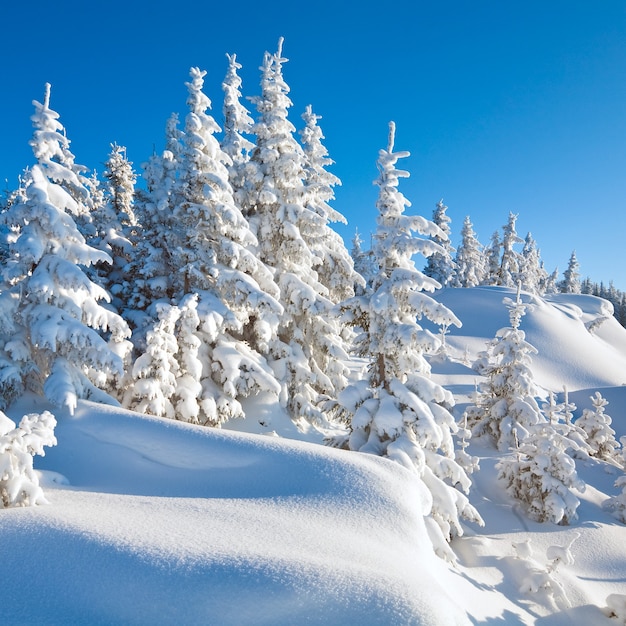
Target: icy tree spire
398, 411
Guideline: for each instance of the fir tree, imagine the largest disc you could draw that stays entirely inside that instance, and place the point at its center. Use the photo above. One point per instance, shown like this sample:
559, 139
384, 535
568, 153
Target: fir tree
469, 261
531, 273
53, 319
333, 263
237, 124
440, 265
597, 426
399, 411
509, 271
506, 409
364, 262
493, 260
541, 476
209, 249
19, 483
571, 276
308, 352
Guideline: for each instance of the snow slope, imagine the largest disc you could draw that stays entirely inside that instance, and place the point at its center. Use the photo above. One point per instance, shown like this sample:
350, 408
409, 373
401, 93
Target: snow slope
153, 521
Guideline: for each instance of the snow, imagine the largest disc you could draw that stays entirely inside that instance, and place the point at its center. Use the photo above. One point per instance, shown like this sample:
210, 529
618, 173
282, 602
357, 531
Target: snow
155, 521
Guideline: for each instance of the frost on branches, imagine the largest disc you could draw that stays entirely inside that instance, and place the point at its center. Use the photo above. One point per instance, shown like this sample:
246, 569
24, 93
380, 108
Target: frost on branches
399, 412
506, 408
19, 484
54, 329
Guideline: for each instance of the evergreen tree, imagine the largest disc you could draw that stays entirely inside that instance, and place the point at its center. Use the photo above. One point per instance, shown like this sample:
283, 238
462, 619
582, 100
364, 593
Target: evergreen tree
333, 263
399, 411
597, 426
440, 265
53, 317
308, 352
531, 273
509, 271
493, 260
154, 372
151, 273
506, 409
541, 476
571, 276
364, 262
209, 250
469, 261
19, 483
237, 124
117, 223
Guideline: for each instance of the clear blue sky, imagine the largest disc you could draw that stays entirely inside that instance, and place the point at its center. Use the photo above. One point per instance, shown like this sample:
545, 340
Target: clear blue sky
504, 106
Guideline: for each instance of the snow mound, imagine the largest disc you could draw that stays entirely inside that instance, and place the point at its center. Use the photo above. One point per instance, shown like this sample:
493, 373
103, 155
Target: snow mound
580, 344
165, 522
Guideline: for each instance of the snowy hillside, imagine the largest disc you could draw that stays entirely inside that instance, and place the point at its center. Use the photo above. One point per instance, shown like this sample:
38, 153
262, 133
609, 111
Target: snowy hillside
156, 521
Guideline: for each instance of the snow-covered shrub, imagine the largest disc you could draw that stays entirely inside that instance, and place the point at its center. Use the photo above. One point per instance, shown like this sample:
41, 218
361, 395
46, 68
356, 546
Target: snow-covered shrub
597, 426
541, 475
617, 504
19, 485
616, 607
542, 579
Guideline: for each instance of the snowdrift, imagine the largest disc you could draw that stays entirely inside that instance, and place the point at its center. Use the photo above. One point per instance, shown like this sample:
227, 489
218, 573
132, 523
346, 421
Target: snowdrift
580, 344
154, 521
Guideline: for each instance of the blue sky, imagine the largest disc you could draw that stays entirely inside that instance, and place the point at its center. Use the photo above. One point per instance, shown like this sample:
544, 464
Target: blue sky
504, 106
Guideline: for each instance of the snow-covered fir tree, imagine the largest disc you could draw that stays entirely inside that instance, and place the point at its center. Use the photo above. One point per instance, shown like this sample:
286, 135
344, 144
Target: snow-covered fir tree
57, 335
399, 411
237, 124
506, 409
541, 475
364, 261
531, 272
150, 273
116, 223
308, 352
492, 269
209, 250
469, 260
509, 271
597, 426
154, 372
571, 276
440, 265
333, 263
19, 483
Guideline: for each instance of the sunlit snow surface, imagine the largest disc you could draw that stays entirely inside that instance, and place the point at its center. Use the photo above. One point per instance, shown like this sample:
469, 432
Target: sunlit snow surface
156, 522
